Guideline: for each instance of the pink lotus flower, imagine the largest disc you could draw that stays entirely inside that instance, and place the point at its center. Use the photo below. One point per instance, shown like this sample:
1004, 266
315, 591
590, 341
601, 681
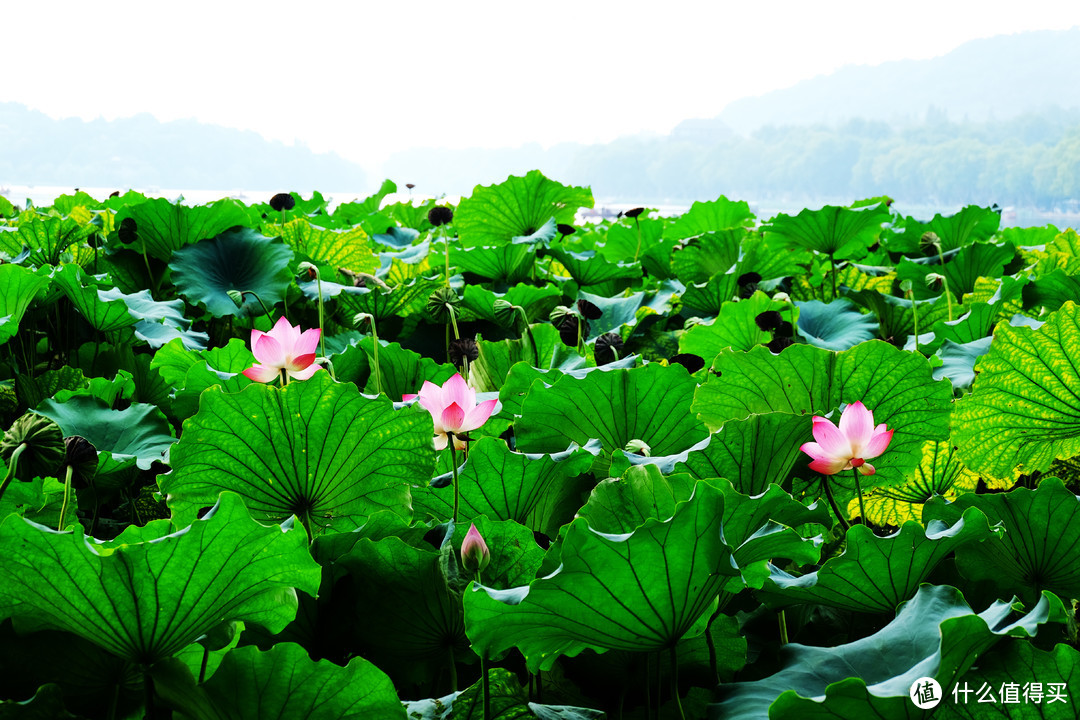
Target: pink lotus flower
475, 555
283, 348
851, 445
453, 408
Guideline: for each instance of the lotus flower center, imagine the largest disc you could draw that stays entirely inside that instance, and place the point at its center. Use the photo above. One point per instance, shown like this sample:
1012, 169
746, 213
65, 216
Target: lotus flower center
857, 462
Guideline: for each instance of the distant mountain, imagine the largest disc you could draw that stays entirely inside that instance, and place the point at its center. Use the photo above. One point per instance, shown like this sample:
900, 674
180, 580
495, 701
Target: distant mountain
991, 79
143, 152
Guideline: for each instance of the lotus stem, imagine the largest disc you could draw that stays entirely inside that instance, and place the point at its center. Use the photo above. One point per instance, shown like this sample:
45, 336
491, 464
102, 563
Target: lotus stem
485, 680
148, 694
783, 627
453, 669
67, 495
205, 661
945, 280
637, 252
915, 317
711, 644
529, 332
858, 489
675, 678
374, 336
446, 245
11, 467
453, 468
842, 517
265, 310
832, 271
322, 325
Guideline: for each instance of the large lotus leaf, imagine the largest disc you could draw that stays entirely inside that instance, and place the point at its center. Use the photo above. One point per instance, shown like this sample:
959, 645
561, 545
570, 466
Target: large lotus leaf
719, 214
1024, 407
282, 682
651, 404
702, 257
46, 238
751, 453
589, 268
508, 701
975, 261
401, 371
641, 592
18, 286
146, 595
105, 311
835, 231
493, 367
875, 574
649, 248
1011, 671
163, 227
402, 299
803, 380
1052, 290
243, 260
735, 327
519, 206
705, 299
971, 225
958, 361
338, 248
159, 322
139, 433
836, 325
314, 448
1041, 546
615, 312
397, 238
506, 263
935, 634
537, 302
770, 262
353, 212
533, 490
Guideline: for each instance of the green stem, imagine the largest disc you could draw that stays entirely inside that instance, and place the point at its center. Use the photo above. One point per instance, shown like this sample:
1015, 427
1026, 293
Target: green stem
67, 495
205, 660
453, 469
305, 520
265, 310
453, 320
529, 332
832, 270
858, 489
148, 694
375, 337
945, 280
149, 274
485, 680
322, 325
637, 252
453, 670
842, 517
783, 627
711, 643
446, 244
284, 377
915, 316
675, 680
12, 462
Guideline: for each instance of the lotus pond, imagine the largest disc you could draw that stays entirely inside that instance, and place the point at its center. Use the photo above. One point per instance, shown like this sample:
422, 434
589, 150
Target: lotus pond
412, 460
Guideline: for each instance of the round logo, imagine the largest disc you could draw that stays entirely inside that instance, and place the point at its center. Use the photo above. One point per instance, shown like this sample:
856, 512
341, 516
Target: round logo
925, 693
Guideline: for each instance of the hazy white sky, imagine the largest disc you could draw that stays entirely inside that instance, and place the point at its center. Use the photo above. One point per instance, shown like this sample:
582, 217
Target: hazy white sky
366, 79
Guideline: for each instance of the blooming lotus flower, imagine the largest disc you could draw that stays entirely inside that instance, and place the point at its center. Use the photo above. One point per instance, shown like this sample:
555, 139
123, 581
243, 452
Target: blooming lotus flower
850, 445
453, 408
283, 348
475, 555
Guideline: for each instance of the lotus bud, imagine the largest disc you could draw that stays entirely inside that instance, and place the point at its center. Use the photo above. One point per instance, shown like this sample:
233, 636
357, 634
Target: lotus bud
638, 447
475, 555
440, 215
930, 238
935, 281
236, 296
781, 297
283, 201
311, 270
81, 455
905, 286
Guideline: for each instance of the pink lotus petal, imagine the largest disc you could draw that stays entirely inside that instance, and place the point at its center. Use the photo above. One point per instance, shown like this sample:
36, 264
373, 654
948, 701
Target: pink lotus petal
479, 414
262, 373
304, 374
408, 397
866, 469
255, 335
299, 363
878, 444
452, 417
857, 424
268, 351
440, 441
456, 391
832, 441
828, 466
307, 343
282, 331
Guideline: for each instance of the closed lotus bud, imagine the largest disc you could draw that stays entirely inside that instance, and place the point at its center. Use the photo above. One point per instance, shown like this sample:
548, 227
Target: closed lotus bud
935, 281
609, 348
283, 201
905, 286
633, 213
565, 230
588, 310
310, 270
747, 283
638, 447
930, 238
461, 348
440, 215
781, 297
236, 296
691, 362
769, 320
475, 555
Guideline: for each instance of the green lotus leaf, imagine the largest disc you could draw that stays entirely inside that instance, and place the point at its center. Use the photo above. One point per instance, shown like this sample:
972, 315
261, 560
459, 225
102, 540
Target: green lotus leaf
504, 263
144, 599
975, 324
508, 701
971, 225
536, 491
834, 231
651, 404
402, 299
338, 248
804, 380
1041, 546
897, 316
590, 268
139, 434
314, 448
163, 227
353, 212
243, 260
6, 208
874, 574
615, 312
519, 206
1023, 410
46, 238
639, 592
39, 500
174, 360
935, 634
282, 682
751, 453
47, 703
493, 366
401, 371
770, 262
836, 325
32, 390
705, 299
958, 361
704, 256
975, 261
537, 302
1015, 667
734, 327
398, 238
1051, 291
105, 310
719, 214
652, 250
18, 286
